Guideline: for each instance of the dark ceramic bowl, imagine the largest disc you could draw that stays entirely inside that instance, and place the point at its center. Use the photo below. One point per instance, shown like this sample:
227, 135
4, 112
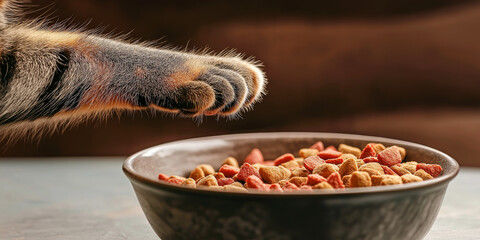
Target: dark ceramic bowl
385, 212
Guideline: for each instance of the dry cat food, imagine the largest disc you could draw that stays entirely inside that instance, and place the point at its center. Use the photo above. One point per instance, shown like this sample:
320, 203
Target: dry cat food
315, 167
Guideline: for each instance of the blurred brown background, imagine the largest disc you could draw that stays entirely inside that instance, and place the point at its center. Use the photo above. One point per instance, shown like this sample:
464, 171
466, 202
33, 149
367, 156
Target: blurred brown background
401, 69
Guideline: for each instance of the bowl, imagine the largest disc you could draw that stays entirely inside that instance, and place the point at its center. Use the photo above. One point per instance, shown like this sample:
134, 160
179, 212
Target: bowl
385, 212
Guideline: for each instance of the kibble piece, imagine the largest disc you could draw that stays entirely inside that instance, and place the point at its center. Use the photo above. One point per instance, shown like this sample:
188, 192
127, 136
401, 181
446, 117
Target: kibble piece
376, 179
299, 161
368, 151
391, 180
234, 188
284, 158
346, 156
163, 177
208, 181
325, 169
388, 171
273, 174
218, 175
378, 147
255, 156
335, 161
307, 152
410, 166
423, 175
288, 187
197, 173
255, 182
403, 152
190, 182
335, 180
298, 181
312, 162
276, 187
390, 156
408, 178
257, 166
224, 181
400, 171
344, 148
370, 159
433, 169
299, 172
360, 179
329, 154
318, 145
348, 167
230, 161
371, 172
360, 162
346, 180
207, 169
175, 180
282, 183
245, 171
228, 171
305, 188
290, 164
314, 179
372, 165
322, 185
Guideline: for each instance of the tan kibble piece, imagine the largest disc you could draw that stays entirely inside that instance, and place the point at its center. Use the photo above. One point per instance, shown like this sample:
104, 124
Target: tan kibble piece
372, 165
282, 182
287, 172
322, 185
299, 181
299, 161
300, 172
177, 177
371, 172
273, 174
237, 184
325, 169
360, 179
376, 180
399, 170
423, 175
344, 148
360, 162
403, 152
347, 156
307, 152
207, 169
234, 188
189, 182
348, 167
408, 178
391, 180
257, 166
290, 164
208, 181
410, 166
219, 175
346, 179
231, 161
197, 173
378, 147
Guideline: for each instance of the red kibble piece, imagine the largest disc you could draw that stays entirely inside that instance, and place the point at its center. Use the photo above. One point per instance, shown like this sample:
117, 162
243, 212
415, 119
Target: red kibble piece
390, 156
255, 182
175, 180
370, 159
314, 179
329, 154
225, 181
284, 158
268, 163
255, 156
368, 151
311, 162
318, 145
335, 180
306, 187
388, 170
331, 148
289, 186
276, 187
433, 169
335, 161
245, 171
228, 170
163, 177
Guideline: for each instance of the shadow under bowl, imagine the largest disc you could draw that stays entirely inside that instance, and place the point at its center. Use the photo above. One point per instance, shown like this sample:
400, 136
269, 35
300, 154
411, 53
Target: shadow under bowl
386, 212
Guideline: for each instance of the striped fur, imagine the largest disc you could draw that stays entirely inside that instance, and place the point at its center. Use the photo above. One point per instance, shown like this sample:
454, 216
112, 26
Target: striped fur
47, 75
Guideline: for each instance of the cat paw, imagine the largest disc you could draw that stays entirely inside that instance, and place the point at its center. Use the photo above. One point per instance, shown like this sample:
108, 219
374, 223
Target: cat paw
219, 86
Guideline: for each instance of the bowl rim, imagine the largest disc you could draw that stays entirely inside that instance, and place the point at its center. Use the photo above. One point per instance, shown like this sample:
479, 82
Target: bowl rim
135, 176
